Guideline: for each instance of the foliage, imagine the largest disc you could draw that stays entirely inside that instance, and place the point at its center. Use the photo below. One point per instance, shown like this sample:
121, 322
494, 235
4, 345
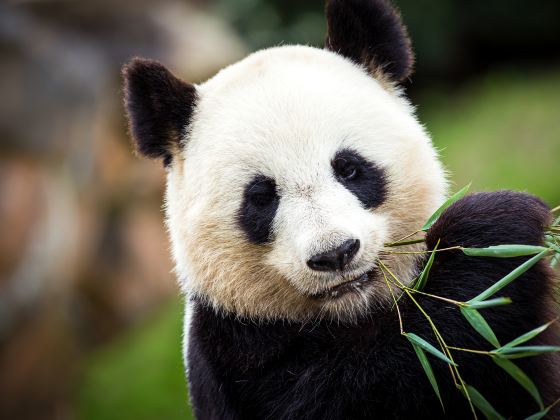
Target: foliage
140, 377
501, 355
501, 132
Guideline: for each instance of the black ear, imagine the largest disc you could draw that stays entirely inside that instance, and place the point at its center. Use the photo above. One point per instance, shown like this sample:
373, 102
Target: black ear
159, 107
371, 33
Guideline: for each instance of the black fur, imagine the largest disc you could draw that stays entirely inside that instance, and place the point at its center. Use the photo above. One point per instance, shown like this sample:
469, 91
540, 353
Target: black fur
257, 211
159, 107
371, 33
281, 370
364, 179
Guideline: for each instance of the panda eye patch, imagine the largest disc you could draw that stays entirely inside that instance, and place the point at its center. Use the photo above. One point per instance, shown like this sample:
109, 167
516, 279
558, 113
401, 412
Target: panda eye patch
258, 209
345, 168
364, 179
262, 193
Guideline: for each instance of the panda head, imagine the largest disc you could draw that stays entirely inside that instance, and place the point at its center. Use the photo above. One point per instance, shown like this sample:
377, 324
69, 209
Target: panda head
289, 170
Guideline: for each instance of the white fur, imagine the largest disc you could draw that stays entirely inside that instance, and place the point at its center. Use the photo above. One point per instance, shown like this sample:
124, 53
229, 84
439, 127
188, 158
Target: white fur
284, 113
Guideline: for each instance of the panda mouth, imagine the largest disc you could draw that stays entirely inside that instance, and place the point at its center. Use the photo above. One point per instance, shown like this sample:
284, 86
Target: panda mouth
354, 285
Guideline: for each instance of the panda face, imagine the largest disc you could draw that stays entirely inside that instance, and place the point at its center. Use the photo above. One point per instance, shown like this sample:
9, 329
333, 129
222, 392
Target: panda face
296, 168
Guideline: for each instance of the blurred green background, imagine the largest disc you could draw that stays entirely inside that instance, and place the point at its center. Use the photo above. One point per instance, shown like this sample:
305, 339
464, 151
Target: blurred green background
90, 316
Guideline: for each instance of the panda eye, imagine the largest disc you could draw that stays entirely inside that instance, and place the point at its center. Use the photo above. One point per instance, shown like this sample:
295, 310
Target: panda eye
345, 168
262, 199
262, 193
258, 209
363, 178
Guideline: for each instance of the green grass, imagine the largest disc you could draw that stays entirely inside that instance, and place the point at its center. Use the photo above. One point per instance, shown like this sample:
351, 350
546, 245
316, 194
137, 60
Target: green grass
140, 376
502, 132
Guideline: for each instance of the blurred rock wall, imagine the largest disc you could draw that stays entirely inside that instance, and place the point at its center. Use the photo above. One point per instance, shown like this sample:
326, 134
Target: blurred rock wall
83, 251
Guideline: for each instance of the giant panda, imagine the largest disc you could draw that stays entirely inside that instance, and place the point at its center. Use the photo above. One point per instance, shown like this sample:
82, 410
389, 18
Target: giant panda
287, 172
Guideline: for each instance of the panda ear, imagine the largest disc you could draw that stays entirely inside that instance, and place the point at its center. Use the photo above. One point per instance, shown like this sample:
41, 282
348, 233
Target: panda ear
159, 107
371, 33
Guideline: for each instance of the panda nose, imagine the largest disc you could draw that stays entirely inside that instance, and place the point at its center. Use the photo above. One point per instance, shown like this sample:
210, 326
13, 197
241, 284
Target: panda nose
335, 259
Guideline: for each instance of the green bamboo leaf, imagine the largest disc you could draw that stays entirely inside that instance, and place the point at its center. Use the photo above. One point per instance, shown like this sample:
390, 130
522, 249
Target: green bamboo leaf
504, 251
483, 405
543, 413
529, 349
551, 237
539, 415
489, 303
423, 277
503, 282
455, 197
428, 370
478, 322
402, 243
556, 258
555, 261
414, 339
521, 355
521, 378
527, 336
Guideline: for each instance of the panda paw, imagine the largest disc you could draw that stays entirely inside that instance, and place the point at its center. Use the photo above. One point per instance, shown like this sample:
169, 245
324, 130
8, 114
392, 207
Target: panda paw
491, 218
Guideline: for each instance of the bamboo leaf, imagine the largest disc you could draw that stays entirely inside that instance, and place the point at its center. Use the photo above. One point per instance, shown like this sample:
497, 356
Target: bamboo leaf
555, 261
503, 282
402, 243
553, 245
504, 251
539, 415
543, 413
478, 322
414, 339
556, 258
521, 355
483, 405
428, 370
423, 277
529, 349
455, 197
521, 378
489, 303
527, 336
